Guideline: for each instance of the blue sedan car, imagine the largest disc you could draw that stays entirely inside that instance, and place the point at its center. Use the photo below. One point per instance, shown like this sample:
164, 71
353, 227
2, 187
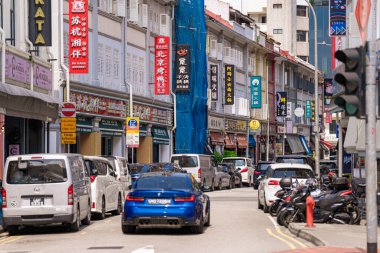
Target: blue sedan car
166, 200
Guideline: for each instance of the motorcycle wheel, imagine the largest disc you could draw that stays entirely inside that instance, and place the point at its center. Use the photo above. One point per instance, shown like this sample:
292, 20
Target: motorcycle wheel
286, 217
273, 208
279, 217
355, 216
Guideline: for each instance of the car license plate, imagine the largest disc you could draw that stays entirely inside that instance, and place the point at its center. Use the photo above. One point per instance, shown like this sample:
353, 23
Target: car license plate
159, 201
36, 201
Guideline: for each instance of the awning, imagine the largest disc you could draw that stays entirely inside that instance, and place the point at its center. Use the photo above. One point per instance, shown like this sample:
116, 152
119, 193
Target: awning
361, 132
305, 145
252, 141
160, 135
217, 138
21, 102
242, 141
295, 144
229, 141
143, 131
326, 144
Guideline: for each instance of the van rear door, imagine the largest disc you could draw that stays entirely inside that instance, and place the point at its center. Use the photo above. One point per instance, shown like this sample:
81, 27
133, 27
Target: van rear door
190, 163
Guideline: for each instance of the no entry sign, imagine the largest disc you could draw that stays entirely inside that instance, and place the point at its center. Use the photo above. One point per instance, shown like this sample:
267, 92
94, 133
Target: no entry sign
68, 110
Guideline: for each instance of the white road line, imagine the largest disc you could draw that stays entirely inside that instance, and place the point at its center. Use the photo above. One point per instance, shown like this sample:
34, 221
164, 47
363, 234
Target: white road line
274, 222
146, 249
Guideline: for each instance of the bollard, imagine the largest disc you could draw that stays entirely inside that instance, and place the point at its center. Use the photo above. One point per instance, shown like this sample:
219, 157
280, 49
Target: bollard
310, 212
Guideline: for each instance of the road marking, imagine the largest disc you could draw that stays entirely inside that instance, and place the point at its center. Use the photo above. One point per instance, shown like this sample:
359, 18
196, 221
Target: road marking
291, 238
83, 233
146, 249
291, 245
10, 239
274, 222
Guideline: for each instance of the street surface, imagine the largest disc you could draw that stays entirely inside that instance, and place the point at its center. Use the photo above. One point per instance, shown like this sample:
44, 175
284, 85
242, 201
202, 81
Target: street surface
236, 226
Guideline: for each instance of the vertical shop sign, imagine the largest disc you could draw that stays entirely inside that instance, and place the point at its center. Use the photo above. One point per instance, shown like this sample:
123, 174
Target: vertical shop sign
337, 17
78, 39
214, 82
133, 132
161, 66
281, 104
312, 111
255, 91
183, 68
308, 109
328, 91
229, 88
40, 22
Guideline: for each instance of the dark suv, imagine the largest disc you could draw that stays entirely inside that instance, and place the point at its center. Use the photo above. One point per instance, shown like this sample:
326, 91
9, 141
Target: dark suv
261, 169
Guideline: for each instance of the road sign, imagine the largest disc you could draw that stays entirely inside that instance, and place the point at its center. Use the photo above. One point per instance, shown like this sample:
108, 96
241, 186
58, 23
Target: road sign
68, 110
133, 129
68, 138
362, 11
68, 125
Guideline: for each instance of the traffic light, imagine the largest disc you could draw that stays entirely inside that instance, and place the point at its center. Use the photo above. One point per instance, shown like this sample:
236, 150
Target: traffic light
354, 81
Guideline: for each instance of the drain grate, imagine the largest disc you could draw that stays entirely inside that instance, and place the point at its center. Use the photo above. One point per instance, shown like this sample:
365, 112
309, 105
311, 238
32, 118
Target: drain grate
107, 247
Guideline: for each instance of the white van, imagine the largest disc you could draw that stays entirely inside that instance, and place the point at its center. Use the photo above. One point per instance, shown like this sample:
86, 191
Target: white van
120, 165
43, 189
202, 167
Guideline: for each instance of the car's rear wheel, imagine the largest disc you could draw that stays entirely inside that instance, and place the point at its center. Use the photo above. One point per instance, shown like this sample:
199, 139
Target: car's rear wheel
76, 225
128, 229
119, 207
220, 184
212, 188
102, 215
249, 182
259, 206
12, 230
266, 207
200, 228
87, 220
208, 222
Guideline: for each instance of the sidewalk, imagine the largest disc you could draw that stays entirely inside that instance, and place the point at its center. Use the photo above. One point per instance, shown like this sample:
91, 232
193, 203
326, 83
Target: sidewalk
336, 235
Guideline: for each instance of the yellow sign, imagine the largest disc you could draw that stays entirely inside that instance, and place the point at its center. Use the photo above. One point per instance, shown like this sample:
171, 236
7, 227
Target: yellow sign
254, 124
68, 138
68, 125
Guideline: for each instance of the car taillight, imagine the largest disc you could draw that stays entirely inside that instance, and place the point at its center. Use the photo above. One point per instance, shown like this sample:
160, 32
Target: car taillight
199, 173
244, 170
134, 199
4, 197
184, 199
92, 178
273, 182
257, 172
70, 196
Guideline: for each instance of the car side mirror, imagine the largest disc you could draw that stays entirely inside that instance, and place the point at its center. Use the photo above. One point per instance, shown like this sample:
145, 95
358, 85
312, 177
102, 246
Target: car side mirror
112, 173
259, 177
129, 187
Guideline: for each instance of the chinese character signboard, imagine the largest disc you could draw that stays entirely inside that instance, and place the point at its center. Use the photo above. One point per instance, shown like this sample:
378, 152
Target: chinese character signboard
183, 68
214, 82
40, 22
337, 19
281, 104
308, 109
255, 91
312, 110
161, 66
328, 91
78, 39
133, 129
229, 88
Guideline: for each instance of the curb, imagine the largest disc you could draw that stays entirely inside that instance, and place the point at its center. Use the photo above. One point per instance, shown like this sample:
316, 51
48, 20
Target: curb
305, 235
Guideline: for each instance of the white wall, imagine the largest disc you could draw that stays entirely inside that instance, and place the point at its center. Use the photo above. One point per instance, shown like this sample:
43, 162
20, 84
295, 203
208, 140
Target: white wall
117, 146
219, 7
164, 153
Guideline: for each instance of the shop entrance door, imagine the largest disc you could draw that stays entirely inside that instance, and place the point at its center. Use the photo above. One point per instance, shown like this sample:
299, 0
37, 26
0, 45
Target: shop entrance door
106, 145
156, 153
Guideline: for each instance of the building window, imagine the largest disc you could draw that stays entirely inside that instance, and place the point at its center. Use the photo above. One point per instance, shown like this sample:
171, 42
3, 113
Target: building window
277, 6
277, 31
301, 11
303, 57
264, 19
301, 36
12, 17
332, 127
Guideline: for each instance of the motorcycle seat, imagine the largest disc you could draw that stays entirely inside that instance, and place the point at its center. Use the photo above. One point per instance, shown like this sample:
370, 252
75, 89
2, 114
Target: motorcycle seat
328, 200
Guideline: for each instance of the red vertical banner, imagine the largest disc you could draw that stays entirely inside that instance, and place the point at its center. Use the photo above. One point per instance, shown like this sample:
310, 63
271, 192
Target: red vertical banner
78, 39
161, 66
333, 52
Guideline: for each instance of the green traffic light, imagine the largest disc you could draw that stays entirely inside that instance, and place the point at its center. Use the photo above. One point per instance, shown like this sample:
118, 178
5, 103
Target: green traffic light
351, 109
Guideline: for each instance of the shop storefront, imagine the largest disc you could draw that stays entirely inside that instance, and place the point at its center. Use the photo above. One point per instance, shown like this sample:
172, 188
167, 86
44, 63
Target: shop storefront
262, 142
237, 133
216, 128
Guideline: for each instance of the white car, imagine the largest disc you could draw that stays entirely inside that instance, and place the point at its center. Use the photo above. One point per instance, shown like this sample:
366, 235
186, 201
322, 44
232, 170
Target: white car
244, 165
270, 183
106, 191
122, 173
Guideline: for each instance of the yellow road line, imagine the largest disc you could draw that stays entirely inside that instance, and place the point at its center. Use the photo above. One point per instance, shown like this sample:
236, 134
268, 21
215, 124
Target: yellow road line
10, 239
291, 238
291, 245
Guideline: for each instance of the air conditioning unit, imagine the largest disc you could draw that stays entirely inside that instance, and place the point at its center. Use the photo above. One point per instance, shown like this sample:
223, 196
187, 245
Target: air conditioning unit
227, 55
164, 25
144, 15
219, 51
213, 50
133, 11
120, 8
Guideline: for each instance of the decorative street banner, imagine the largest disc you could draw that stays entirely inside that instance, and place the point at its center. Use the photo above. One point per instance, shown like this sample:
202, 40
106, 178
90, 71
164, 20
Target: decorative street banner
133, 132
312, 110
161, 66
255, 91
40, 22
328, 91
78, 39
214, 82
281, 105
337, 17
289, 110
229, 88
183, 68
308, 109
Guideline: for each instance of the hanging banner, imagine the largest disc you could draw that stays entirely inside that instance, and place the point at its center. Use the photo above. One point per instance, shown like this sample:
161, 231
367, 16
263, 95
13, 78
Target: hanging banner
161, 65
337, 17
308, 109
281, 104
255, 91
229, 88
328, 118
78, 39
40, 23
133, 129
289, 110
214, 82
183, 68
328, 91
312, 110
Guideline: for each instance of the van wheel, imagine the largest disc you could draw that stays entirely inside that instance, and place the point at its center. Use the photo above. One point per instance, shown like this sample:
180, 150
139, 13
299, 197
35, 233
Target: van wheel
212, 188
119, 207
87, 220
266, 207
74, 227
102, 215
249, 182
12, 230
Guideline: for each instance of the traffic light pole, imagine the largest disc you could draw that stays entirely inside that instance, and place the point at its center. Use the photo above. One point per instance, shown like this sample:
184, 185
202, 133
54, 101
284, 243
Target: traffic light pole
371, 163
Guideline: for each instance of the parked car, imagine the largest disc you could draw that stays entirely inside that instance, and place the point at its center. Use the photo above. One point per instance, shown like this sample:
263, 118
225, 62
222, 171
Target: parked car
234, 173
173, 167
200, 166
327, 166
106, 191
42, 189
299, 159
166, 200
223, 178
137, 169
261, 169
270, 184
122, 173
244, 165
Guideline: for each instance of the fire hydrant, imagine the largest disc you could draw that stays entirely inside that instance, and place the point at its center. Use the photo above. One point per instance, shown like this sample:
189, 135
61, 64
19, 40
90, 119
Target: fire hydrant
310, 212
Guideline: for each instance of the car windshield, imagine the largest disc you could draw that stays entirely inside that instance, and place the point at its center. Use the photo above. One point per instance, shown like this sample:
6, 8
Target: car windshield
162, 182
138, 168
37, 171
185, 161
263, 166
299, 160
292, 172
237, 162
